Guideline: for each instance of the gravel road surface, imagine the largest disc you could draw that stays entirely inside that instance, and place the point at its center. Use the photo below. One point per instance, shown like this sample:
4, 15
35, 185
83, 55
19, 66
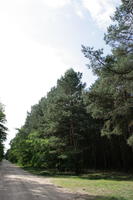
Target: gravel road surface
17, 184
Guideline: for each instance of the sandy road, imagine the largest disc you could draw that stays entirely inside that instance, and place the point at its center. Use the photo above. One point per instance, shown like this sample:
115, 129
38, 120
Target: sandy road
17, 184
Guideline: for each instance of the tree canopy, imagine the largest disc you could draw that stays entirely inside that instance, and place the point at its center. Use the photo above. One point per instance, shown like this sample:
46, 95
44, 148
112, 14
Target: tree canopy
74, 128
111, 96
2, 131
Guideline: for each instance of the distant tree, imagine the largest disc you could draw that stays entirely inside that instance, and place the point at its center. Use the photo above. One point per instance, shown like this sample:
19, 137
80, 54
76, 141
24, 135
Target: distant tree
2, 131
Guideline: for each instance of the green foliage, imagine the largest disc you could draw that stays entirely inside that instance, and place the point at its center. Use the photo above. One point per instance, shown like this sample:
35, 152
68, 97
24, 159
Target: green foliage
121, 32
130, 140
99, 185
110, 98
2, 131
63, 131
55, 129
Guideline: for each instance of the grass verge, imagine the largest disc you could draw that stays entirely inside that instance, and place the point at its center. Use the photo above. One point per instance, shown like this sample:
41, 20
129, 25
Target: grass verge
98, 185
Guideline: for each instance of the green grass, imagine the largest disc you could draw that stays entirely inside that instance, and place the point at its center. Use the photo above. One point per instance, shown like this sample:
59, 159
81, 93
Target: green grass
97, 185
101, 186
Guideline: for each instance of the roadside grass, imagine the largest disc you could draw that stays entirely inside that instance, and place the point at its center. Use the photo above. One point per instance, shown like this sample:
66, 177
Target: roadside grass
106, 185
99, 185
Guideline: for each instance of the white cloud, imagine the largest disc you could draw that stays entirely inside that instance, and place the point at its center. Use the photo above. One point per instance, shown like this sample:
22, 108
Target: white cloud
80, 14
56, 3
101, 10
78, 9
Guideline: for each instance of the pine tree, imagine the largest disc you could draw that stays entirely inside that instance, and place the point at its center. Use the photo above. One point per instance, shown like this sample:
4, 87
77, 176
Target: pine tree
111, 96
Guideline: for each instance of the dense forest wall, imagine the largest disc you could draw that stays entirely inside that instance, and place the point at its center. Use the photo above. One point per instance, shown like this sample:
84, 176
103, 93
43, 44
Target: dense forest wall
74, 129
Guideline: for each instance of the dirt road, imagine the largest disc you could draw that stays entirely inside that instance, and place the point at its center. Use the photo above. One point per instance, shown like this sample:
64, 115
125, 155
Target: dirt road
17, 184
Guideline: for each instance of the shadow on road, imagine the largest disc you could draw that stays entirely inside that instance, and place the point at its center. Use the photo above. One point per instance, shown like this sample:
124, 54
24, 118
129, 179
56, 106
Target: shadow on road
17, 184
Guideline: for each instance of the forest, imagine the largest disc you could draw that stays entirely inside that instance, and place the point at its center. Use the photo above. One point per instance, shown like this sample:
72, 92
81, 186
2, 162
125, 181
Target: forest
3, 130
74, 128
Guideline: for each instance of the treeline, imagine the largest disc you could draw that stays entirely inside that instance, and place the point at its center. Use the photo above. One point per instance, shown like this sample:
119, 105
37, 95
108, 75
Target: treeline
3, 130
75, 129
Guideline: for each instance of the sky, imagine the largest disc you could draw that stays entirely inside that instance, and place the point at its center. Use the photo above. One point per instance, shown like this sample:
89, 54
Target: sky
39, 41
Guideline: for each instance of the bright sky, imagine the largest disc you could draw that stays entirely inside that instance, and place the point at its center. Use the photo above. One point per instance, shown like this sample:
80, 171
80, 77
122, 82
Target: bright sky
39, 41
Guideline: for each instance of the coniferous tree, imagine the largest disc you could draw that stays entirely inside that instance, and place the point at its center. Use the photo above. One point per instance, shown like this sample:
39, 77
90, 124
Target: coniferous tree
111, 95
63, 131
